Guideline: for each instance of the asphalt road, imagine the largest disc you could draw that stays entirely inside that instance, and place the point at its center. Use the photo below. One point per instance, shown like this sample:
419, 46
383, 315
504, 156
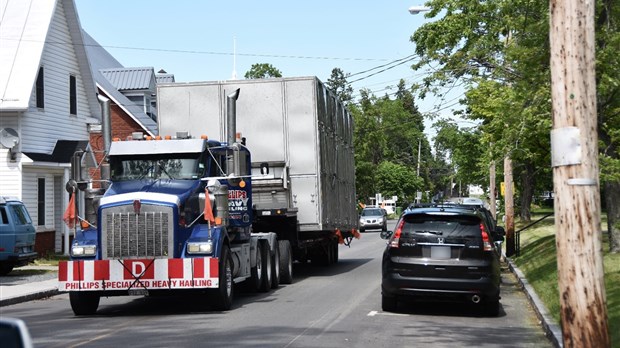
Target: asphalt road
337, 306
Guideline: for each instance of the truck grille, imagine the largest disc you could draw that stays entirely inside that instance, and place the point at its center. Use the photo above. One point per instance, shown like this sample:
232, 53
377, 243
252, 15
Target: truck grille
129, 235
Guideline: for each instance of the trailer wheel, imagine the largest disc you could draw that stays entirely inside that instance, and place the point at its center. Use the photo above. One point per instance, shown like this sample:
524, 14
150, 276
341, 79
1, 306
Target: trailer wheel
223, 297
265, 280
336, 251
286, 262
84, 303
275, 267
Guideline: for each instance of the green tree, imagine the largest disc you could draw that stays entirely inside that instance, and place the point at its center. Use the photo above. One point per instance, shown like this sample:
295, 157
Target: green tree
398, 180
389, 131
500, 51
337, 82
262, 71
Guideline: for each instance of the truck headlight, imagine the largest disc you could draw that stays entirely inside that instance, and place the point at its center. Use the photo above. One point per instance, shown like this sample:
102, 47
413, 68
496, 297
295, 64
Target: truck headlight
83, 250
200, 247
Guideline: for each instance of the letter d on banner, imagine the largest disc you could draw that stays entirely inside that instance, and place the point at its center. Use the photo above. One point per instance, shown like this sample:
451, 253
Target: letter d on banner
137, 268
143, 269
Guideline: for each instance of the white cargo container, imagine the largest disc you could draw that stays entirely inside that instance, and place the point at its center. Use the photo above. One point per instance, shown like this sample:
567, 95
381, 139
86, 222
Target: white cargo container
297, 129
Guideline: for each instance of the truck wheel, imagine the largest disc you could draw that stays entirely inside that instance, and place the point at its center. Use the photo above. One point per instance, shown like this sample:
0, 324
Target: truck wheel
256, 273
265, 280
275, 267
6, 268
84, 303
286, 262
223, 298
322, 254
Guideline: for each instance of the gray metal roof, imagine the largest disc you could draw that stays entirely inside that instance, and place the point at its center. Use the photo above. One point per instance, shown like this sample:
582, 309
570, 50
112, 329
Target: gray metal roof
164, 78
131, 78
99, 59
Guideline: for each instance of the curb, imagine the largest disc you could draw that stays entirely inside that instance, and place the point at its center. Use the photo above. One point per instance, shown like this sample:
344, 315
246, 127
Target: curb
552, 330
29, 297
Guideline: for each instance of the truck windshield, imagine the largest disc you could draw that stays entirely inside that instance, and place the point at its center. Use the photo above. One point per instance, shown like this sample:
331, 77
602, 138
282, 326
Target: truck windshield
169, 166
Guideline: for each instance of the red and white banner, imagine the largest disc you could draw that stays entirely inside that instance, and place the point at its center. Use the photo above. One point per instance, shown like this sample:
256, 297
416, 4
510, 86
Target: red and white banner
152, 274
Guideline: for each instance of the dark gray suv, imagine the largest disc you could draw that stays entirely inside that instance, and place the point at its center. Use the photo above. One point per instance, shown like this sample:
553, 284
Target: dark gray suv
444, 253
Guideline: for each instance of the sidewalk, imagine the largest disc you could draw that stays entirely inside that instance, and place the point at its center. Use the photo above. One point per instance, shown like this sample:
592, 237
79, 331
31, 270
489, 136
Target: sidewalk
23, 292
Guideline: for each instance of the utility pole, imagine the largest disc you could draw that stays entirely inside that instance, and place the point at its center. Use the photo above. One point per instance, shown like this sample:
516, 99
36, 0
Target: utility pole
574, 157
509, 207
419, 150
492, 189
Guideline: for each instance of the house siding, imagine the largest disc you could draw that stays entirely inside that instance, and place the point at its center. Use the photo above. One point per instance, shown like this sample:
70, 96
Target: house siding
11, 171
42, 127
10, 175
47, 237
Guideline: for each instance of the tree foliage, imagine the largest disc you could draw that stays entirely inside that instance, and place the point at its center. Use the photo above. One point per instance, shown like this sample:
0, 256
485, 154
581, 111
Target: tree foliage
499, 50
262, 71
337, 82
388, 133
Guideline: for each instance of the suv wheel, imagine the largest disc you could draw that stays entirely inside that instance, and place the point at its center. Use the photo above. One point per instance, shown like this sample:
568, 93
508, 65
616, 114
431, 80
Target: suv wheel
388, 303
491, 308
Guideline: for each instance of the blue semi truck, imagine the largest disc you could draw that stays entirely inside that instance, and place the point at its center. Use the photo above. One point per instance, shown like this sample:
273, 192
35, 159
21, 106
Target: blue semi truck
179, 214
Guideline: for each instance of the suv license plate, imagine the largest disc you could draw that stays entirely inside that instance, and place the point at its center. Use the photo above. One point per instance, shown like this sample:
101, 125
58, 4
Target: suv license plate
440, 252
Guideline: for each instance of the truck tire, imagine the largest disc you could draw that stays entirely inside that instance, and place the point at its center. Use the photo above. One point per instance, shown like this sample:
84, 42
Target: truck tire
322, 255
275, 267
286, 262
336, 252
265, 280
223, 297
256, 272
84, 303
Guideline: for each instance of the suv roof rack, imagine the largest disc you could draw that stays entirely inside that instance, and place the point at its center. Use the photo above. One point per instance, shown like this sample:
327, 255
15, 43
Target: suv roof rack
445, 205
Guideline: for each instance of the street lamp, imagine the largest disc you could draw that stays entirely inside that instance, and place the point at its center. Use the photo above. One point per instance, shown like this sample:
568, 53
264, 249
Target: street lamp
414, 10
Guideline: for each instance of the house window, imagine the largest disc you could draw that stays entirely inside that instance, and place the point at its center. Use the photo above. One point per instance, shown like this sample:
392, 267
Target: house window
40, 89
41, 202
72, 95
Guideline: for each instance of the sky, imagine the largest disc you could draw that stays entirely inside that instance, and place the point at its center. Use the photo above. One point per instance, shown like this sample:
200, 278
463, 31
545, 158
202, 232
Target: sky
200, 40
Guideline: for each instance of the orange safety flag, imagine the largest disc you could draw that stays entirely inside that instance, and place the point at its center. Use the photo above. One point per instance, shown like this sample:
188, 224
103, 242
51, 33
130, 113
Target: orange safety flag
340, 238
69, 216
208, 213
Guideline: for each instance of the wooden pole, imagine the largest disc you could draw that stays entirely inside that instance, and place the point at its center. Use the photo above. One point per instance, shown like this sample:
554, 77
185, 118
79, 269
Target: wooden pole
492, 189
574, 151
509, 207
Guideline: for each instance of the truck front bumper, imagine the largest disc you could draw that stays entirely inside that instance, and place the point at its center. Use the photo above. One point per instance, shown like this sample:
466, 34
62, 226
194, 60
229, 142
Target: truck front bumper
138, 274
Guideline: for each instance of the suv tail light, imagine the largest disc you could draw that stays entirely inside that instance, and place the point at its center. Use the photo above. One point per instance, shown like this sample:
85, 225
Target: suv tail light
396, 238
486, 242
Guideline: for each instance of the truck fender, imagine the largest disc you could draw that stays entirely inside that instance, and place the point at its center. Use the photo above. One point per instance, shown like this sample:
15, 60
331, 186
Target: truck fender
216, 233
272, 240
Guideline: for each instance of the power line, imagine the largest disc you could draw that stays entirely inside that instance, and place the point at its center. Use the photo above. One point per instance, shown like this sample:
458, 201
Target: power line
382, 70
150, 49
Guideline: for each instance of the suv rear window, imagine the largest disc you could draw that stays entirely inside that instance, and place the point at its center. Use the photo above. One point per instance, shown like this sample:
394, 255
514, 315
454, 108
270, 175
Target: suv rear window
441, 225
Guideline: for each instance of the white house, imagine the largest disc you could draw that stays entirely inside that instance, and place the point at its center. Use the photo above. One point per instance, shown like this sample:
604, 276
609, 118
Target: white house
47, 101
